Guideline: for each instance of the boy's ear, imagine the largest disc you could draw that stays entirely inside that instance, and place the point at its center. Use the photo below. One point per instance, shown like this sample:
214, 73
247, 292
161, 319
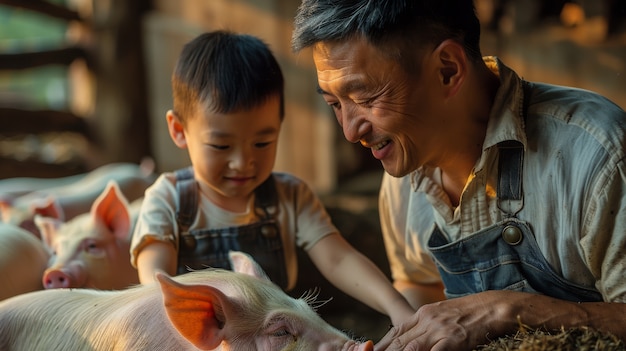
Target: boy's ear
176, 129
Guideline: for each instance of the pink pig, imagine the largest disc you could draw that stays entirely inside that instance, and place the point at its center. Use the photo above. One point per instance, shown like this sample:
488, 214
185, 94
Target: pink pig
210, 309
93, 249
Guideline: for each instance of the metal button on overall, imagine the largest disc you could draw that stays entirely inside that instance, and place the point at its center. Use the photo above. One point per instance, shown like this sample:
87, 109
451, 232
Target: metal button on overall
189, 242
269, 231
512, 235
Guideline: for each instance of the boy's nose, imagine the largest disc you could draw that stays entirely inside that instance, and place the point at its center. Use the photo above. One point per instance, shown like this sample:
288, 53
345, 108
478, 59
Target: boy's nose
240, 160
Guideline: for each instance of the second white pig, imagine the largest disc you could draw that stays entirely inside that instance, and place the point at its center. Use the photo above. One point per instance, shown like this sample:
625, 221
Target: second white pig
93, 249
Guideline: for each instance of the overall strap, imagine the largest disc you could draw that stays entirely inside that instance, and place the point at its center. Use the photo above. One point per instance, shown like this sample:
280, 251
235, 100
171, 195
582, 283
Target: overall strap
510, 164
266, 198
187, 190
510, 167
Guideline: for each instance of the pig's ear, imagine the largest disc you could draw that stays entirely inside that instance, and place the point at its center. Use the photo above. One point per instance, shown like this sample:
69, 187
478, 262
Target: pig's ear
244, 263
5, 210
47, 227
48, 208
111, 208
192, 311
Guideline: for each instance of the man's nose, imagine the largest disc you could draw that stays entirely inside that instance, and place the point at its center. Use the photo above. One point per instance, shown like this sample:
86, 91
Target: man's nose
354, 125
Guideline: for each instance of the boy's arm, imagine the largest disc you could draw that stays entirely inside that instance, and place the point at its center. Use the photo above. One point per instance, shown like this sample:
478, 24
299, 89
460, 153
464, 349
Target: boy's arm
155, 256
357, 276
420, 294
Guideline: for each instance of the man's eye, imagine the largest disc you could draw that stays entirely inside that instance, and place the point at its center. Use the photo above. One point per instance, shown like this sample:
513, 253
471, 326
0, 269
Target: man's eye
364, 102
335, 105
262, 145
219, 147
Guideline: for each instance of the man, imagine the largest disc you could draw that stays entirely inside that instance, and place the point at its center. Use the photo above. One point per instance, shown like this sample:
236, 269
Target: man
506, 197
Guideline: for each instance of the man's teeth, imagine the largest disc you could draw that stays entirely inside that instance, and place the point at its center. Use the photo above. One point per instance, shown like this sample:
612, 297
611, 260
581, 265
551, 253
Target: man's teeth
380, 145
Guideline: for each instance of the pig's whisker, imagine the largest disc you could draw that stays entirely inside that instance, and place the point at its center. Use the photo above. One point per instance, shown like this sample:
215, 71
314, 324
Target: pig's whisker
310, 297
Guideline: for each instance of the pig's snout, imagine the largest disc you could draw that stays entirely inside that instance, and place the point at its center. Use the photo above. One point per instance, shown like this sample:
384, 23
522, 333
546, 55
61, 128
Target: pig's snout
55, 279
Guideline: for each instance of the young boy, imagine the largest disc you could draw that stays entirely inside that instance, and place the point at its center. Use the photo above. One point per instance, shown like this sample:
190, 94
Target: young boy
228, 108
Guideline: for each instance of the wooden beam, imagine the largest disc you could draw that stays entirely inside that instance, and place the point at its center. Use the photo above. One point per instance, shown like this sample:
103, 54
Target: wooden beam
18, 121
32, 168
44, 7
25, 60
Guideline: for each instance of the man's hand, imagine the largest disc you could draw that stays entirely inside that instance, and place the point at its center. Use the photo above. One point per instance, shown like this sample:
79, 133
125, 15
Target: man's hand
464, 323
456, 324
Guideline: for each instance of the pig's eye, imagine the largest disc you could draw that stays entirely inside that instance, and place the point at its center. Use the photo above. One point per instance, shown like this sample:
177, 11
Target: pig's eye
92, 247
281, 332
279, 328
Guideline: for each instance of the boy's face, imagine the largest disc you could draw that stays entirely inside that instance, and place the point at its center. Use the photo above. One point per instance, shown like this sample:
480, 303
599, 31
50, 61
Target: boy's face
232, 153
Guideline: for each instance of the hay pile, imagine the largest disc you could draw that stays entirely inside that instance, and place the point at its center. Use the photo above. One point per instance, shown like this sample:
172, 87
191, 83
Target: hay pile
575, 339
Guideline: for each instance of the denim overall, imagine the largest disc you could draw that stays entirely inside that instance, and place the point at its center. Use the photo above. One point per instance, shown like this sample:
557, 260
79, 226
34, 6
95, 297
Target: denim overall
202, 248
504, 256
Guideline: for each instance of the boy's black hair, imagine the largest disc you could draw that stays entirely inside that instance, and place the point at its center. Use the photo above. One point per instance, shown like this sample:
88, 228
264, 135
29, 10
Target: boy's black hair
225, 72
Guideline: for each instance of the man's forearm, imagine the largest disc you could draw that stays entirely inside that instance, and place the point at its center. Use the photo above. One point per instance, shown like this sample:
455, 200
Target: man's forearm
551, 313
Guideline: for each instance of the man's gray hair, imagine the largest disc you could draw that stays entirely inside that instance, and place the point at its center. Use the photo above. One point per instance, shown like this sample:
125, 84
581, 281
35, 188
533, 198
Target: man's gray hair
381, 21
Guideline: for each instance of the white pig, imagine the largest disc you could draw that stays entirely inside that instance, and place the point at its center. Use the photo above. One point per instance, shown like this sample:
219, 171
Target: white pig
23, 259
93, 249
23, 214
67, 197
211, 309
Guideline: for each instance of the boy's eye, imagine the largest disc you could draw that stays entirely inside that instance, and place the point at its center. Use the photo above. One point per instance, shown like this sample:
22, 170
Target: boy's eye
219, 147
262, 145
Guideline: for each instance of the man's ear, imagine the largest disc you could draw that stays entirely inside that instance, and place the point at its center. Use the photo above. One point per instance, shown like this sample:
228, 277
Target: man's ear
453, 65
176, 129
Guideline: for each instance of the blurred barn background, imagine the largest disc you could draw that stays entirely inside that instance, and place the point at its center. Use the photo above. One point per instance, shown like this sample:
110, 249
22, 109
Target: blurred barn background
87, 82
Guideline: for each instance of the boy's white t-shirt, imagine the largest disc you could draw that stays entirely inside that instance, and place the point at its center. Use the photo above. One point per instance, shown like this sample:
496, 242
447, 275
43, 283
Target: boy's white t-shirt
302, 218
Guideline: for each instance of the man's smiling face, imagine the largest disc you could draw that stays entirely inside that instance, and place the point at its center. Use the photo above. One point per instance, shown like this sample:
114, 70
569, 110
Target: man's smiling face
379, 104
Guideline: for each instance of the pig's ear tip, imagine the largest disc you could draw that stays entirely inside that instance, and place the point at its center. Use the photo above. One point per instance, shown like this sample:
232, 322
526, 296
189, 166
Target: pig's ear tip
239, 256
232, 253
113, 181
